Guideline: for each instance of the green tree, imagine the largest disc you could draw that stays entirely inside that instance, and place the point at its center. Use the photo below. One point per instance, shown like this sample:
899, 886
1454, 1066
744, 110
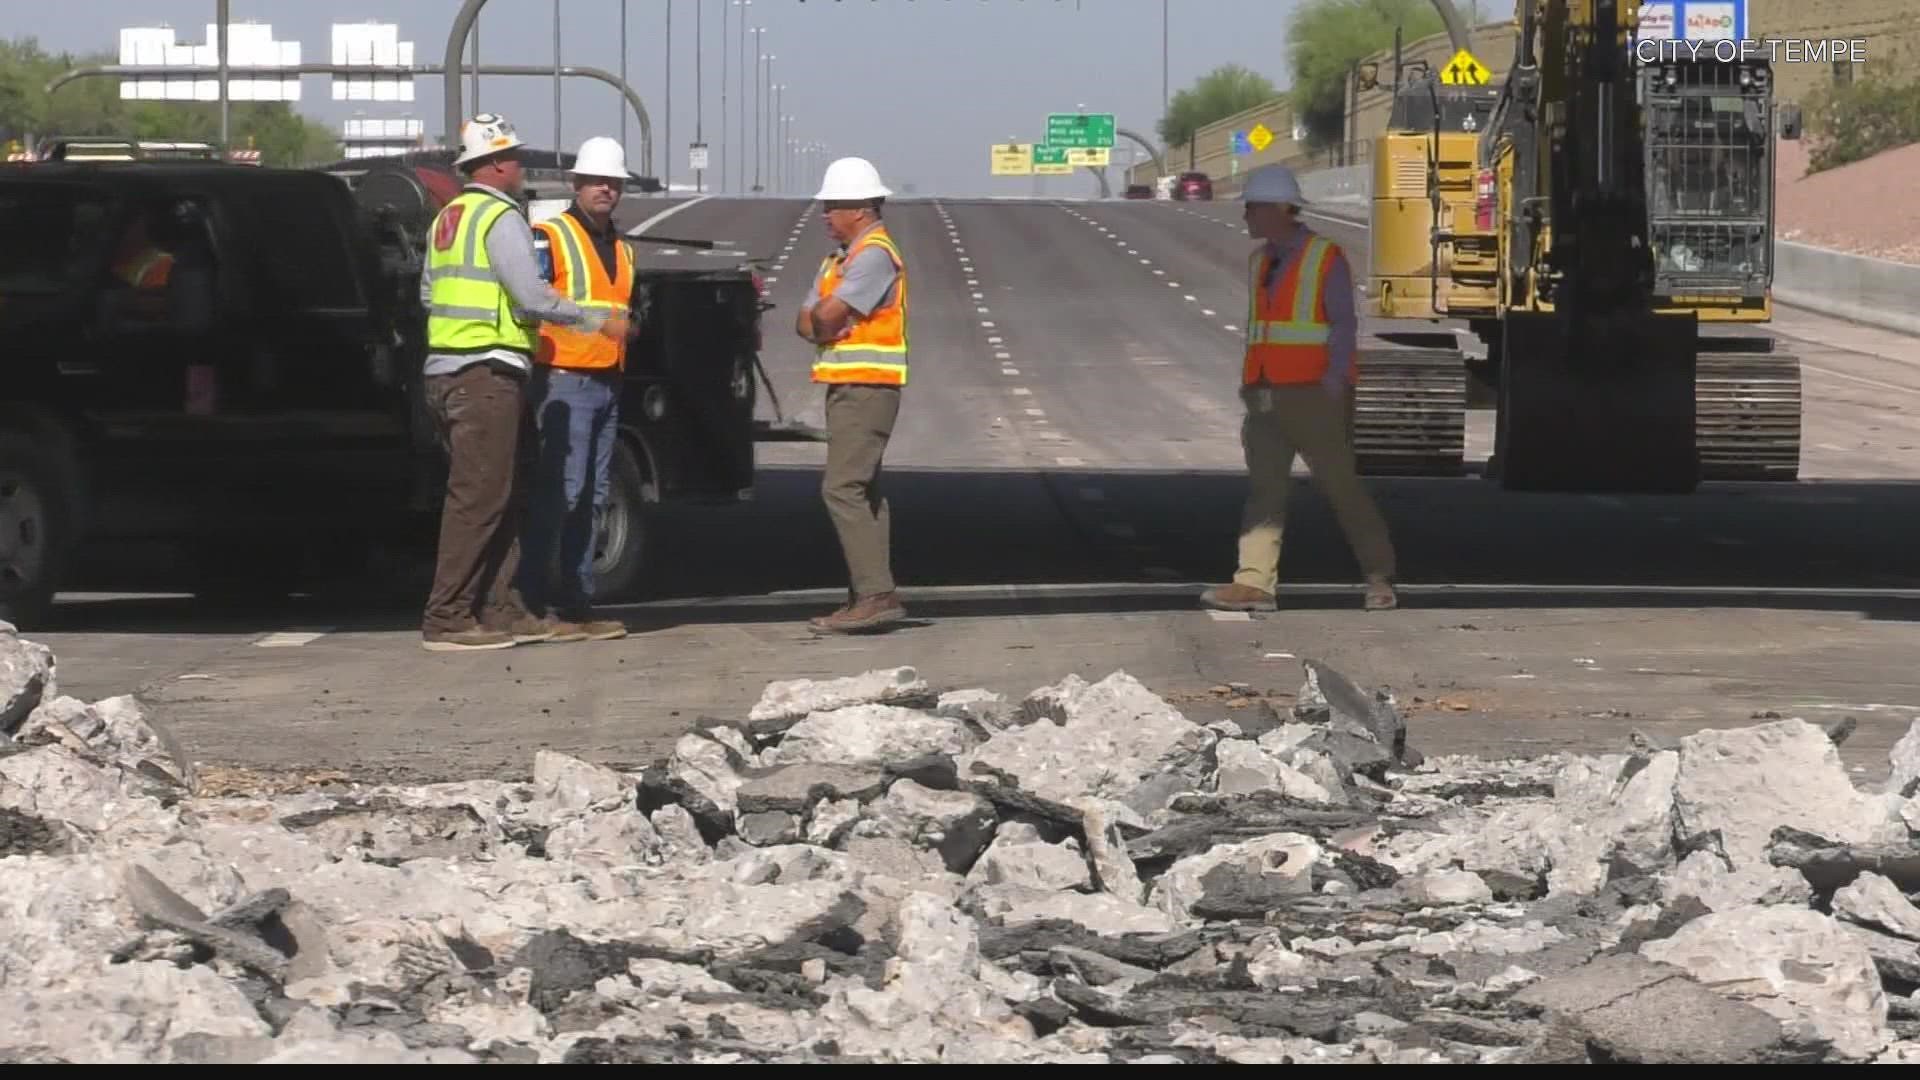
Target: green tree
1325, 38
94, 107
1220, 93
1856, 121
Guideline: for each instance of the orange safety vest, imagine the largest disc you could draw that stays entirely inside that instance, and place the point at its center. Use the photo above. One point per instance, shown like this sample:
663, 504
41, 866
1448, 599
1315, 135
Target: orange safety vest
1287, 325
147, 268
875, 348
580, 276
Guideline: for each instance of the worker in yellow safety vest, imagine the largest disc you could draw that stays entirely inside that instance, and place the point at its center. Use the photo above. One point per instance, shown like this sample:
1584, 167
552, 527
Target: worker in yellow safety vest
856, 316
1298, 375
576, 398
485, 301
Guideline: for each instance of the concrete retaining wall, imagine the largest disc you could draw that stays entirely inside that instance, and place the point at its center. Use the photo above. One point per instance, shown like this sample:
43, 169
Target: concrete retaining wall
1878, 292
1352, 181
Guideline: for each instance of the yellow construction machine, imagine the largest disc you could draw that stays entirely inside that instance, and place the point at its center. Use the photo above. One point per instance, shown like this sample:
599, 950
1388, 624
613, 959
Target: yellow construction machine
1603, 222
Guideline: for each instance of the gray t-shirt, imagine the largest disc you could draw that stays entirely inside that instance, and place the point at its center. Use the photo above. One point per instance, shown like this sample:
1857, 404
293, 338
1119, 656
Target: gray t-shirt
865, 282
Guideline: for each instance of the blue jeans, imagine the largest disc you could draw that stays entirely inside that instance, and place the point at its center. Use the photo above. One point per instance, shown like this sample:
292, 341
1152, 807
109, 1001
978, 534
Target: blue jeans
575, 422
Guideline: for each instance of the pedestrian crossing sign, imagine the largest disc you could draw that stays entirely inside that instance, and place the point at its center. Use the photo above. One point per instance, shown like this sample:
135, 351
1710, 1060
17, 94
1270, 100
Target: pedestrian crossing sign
1465, 70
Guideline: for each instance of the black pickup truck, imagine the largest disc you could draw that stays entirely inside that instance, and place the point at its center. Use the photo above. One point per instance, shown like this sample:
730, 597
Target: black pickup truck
266, 398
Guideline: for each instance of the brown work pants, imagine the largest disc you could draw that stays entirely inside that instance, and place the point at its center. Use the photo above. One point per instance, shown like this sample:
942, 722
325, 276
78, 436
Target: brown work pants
1283, 421
480, 413
859, 422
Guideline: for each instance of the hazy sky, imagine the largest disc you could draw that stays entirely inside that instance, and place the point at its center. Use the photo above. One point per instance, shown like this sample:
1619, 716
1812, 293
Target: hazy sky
922, 87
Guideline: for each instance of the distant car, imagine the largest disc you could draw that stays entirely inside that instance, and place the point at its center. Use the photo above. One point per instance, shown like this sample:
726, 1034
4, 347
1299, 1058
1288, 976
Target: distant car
1139, 191
1193, 185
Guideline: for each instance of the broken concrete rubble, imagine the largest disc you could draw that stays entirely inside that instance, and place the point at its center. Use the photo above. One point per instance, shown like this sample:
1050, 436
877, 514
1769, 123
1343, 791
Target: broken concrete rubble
872, 869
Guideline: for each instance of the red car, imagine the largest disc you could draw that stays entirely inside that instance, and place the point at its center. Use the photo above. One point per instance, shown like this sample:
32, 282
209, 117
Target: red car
1193, 185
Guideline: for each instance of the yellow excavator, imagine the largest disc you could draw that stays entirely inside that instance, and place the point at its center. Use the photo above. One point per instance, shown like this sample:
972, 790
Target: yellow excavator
1605, 226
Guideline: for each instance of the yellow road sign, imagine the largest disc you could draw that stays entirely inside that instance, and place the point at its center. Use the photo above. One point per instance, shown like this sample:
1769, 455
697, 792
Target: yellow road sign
1052, 170
1464, 70
1013, 159
1259, 138
1097, 156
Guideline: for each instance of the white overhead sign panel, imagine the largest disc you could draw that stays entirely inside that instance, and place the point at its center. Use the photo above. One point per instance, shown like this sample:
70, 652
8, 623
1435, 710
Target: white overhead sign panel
372, 45
248, 45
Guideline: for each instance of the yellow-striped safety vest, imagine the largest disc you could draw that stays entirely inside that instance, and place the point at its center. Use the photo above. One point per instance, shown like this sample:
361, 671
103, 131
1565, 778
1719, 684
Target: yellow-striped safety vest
580, 276
469, 310
1287, 325
875, 351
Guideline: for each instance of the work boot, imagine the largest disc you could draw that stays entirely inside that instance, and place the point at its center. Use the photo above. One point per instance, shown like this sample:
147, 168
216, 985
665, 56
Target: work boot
865, 613
593, 629
1238, 597
1380, 595
472, 639
530, 629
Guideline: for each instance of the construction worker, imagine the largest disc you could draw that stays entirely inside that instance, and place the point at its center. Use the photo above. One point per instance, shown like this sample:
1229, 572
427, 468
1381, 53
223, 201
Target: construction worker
856, 316
484, 296
1297, 380
576, 397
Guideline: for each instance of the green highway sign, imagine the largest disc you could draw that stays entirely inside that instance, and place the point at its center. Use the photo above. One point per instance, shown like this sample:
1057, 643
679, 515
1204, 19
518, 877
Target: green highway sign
1081, 130
1049, 155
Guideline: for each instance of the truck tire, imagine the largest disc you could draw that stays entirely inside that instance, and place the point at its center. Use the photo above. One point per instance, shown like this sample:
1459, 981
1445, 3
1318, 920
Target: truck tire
623, 549
37, 504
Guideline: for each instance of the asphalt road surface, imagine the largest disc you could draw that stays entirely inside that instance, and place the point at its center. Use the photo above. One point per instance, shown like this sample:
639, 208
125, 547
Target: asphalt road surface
1065, 476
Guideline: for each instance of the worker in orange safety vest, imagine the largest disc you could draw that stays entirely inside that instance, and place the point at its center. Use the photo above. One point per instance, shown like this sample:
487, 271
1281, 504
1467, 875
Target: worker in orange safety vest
575, 396
1298, 375
856, 316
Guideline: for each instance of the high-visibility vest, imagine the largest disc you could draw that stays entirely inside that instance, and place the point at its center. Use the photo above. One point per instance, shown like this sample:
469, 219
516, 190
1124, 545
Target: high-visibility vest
469, 311
580, 276
148, 268
875, 349
1287, 325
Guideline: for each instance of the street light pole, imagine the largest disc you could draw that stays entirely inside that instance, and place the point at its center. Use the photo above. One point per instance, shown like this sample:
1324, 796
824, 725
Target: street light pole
759, 66
222, 13
623, 69
724, 9
746, 9
666, 177
556, 84
699, 103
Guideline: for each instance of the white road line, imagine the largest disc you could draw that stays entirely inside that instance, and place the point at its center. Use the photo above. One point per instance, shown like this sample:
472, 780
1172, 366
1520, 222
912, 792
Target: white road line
1009, 371
641, 229
988, 325
1231, 327
1161, 273
1206, 311
1070, 462
1036, 412
1003, 356
979, 296
1022, 391
771, 278
1229, 616
995, 340
1131, 251
291, 639
981, 310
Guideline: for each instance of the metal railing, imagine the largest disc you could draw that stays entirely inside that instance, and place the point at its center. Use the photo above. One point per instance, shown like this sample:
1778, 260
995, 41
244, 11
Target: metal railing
1709, 178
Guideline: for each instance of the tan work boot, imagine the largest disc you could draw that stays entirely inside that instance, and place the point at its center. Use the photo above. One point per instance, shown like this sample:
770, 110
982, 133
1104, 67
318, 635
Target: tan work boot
866, 613
530, 629
1380, 595
473, 639
1238, 597
594, 629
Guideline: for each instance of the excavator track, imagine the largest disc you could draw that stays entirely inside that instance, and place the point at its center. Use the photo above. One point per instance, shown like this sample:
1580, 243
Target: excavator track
1410, 412
1747, 416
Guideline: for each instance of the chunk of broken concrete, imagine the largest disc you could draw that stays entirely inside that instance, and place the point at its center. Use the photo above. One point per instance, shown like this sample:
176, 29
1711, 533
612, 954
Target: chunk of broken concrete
1736, 786
1797, 965
1020, 856
791, 700
1873, 901
27, 673
1635, 1011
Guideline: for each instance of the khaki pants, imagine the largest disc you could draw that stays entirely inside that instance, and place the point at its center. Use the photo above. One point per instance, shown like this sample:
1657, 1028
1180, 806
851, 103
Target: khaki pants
1282, 421
859, 423
479, 413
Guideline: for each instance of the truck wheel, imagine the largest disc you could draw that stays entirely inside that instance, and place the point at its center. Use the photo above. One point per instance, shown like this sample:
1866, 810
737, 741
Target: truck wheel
36, 509
622, 549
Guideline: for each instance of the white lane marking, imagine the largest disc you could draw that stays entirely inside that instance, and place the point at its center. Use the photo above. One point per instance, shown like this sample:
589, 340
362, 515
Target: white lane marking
771, 278
1146, 262
979, 296
641, 229
1036, 412
291, 639
995, 340
1009, 371
669, 251
1233, 328
1229, 616
1206, 311
988, 325
972, 282
1161, 273
1003, 356
1130, 251
1093, 494
1173, 284
1022, 391
981, 310
1069, 462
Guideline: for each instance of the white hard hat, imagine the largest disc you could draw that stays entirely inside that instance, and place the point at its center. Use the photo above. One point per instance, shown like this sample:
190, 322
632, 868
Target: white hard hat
601, 156
851, 178
488, 133
1272, 184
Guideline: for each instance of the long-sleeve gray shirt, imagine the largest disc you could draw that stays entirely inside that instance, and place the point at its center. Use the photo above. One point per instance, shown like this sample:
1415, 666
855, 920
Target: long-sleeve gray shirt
511, 254
1344, 340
